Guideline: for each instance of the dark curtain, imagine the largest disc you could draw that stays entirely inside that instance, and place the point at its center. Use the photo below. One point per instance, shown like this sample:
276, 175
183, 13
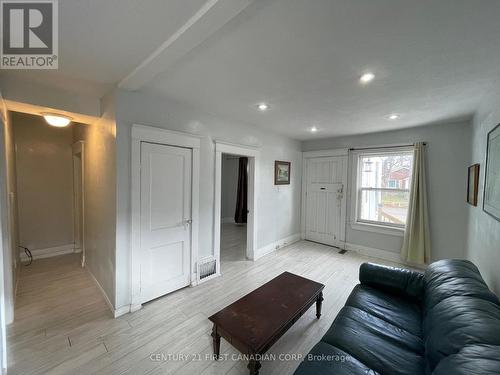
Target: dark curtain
240, 216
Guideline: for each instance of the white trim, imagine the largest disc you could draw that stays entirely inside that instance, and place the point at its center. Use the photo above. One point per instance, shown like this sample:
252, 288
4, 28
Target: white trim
325, 153
253, 163
142, 133
374, 228
373, 252
116, 313
49, 252
79, 148
273, 246
124, 310
382, 254
101, 289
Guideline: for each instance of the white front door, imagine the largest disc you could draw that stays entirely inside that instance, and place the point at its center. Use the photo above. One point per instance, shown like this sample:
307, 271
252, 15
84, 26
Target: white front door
325, 203
165, 252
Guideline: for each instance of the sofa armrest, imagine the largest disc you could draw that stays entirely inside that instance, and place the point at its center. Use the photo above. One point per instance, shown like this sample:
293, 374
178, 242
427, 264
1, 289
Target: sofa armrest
394, 280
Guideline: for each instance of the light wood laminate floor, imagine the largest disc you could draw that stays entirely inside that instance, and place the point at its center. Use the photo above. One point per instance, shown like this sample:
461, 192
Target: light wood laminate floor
63, 325
233, 242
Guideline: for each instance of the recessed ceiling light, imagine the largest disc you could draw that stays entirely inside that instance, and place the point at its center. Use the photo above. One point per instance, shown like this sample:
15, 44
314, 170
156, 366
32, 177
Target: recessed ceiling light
393, 116
263, 106
367, 77
314, 129
57, 120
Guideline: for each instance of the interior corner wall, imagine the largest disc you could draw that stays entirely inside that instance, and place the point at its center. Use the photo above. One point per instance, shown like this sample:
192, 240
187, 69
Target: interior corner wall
278, 211
483, 241
447, 157
100, 196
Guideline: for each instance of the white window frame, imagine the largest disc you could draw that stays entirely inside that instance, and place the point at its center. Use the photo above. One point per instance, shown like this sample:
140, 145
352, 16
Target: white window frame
356, 193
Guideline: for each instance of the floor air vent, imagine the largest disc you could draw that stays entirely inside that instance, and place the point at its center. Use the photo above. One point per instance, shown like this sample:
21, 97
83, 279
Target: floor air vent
342, 251
207, 268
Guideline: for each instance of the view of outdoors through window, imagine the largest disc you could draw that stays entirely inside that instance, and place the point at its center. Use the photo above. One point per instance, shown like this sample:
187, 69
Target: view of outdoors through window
384, 188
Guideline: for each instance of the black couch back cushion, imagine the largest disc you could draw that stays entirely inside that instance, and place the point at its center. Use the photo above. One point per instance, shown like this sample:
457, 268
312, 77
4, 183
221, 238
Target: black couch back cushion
459, 311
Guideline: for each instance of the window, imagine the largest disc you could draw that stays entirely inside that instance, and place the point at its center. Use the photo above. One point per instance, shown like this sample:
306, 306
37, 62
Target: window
383, 187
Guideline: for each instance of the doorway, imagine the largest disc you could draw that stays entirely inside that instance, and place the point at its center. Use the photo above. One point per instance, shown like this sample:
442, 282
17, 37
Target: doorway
234, 208
228, 150
324, 202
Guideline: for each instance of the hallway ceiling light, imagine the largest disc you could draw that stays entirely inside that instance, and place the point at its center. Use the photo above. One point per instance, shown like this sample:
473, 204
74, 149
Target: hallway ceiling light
314, 129
367, 78
263, 106
393, 116
57, 120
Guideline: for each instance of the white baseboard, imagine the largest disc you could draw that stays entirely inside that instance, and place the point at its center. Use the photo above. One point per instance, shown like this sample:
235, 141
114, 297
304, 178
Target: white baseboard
116, 313
276, 245
124, 310
226, 220
373, 252
49, 252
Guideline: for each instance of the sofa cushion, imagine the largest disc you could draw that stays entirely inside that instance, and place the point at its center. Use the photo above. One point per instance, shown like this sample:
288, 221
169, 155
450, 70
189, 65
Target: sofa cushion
401, 281
326, 359
453, 277
457, 322
401, 312
474, 359
381, 346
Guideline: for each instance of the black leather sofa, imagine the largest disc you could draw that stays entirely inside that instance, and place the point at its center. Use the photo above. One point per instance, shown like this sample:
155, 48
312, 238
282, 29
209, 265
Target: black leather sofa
442, 322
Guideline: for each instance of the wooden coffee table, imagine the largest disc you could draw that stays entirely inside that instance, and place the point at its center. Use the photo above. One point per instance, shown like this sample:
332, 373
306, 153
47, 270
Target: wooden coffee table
256, 321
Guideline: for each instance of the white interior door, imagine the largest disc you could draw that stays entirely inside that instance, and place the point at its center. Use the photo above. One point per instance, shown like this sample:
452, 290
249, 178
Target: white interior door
166, 192
325, 203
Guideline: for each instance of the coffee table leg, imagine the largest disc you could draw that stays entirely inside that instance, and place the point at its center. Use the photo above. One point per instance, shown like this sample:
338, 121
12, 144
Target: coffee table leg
319, 302
216, 341
254, 367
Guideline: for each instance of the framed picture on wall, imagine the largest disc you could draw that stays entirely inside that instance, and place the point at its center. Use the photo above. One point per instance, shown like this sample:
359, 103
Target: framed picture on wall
491, 199
282, 172
472, 184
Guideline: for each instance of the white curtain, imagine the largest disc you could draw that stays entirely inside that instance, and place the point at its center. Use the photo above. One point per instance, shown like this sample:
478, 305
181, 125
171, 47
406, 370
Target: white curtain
417, 243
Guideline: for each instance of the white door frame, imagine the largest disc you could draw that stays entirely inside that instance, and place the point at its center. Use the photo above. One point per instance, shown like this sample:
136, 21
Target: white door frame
79, 149
142, 133
253, 156
321, 154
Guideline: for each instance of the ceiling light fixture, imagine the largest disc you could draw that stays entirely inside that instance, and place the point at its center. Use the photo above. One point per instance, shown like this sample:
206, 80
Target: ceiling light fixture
314, 129
57, 120
394, 116
367, 78
263, 106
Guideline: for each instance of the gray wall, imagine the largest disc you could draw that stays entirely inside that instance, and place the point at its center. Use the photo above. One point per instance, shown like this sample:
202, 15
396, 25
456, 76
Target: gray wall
448, 149
100, 196
483, 244
229, 185
44, 166
278, 211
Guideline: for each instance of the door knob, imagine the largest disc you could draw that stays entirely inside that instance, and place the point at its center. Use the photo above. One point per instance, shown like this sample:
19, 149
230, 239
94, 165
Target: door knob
188, 221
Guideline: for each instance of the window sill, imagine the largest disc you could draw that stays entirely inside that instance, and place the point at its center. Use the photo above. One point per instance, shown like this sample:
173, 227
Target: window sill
381, 229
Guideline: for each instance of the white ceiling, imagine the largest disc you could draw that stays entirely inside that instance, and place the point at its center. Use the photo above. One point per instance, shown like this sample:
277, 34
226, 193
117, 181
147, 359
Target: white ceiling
433, 60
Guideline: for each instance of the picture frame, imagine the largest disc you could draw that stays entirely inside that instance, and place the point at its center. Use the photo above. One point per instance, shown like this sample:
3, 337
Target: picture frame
491, 193
282, 172
472, 184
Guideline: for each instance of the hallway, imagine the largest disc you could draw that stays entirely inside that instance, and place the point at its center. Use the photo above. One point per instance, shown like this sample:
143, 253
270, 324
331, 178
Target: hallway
56, 304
